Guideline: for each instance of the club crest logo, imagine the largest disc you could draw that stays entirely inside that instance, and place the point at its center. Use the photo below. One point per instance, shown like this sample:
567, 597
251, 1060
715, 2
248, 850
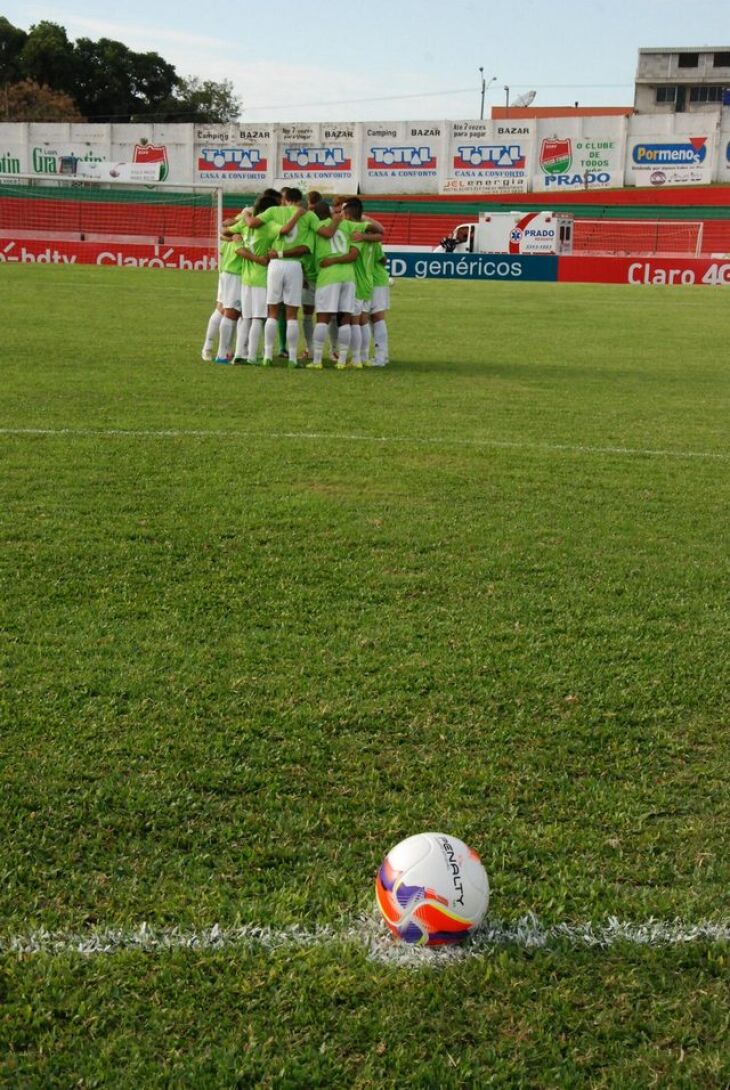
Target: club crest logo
556, 156
144, 152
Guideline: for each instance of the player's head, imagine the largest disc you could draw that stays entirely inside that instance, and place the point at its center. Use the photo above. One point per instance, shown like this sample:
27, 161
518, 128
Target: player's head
322, 210
272, 193
263, 202
313, 198
291, 196
352, 209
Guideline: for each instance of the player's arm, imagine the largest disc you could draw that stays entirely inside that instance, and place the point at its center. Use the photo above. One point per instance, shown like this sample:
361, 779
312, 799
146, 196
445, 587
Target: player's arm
331, 228
343, 259
295, 251
287, 227
373, 225
249, 255
367, 236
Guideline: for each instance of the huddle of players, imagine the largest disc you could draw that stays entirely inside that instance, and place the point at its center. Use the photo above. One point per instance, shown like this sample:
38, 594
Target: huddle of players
281, 255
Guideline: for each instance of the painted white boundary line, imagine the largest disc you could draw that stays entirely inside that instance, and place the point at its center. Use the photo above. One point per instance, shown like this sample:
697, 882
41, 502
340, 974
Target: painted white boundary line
339, 437
368, 932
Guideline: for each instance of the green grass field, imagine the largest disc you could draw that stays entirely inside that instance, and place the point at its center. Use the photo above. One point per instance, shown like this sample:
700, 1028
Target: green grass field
258, 626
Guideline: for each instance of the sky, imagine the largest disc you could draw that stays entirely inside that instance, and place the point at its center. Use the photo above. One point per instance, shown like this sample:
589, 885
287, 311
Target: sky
404, 59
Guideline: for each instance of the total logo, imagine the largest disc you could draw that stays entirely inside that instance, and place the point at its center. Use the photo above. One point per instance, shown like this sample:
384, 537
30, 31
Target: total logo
331, 158
232, 159
489, 157
656, 155
402, 158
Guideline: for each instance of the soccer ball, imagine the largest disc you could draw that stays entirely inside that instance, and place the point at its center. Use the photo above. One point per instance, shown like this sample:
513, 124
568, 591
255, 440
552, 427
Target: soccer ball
432, 889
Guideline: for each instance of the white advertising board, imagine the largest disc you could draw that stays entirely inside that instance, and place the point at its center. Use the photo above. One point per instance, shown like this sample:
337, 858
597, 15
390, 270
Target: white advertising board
401, 156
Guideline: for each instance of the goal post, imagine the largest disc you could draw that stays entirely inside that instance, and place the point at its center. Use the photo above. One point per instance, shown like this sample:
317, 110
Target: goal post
637, 238
65, 211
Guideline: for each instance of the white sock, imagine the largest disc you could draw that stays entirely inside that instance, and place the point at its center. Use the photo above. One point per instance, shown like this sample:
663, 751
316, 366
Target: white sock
225, 336
355, 341
211, 332
365, 342
343, 342
380, 335
242, 332
318, 338
257, 325
271, 332
292, 339
308, 330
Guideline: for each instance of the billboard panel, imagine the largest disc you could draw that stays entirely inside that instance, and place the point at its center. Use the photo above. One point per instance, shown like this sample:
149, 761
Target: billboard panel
488, 156
579, 153
239, 157
317, 156
401, 156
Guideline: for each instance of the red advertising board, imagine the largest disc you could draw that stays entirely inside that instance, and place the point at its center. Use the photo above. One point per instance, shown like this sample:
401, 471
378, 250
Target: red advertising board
685, 271
23, 251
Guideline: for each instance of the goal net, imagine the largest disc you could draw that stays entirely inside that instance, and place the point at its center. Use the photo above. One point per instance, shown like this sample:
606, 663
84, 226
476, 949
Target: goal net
63, 211
651, 238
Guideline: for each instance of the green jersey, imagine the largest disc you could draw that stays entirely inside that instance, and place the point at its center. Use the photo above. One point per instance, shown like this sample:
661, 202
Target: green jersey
230, 260
300, 235
340, 243
381, 278
259, 240
364, 264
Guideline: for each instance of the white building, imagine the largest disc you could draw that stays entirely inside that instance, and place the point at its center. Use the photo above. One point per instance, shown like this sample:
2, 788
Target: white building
685, 80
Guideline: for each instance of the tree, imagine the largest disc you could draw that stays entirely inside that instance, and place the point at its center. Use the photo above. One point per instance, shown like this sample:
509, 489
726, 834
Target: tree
203, 102
12, 40
115, 84
28, 101
47, 58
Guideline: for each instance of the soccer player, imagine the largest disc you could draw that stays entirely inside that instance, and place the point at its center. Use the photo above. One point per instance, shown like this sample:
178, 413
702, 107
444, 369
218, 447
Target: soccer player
368, 233
335, 254
379, 305
254, 250
230, 295
285, 276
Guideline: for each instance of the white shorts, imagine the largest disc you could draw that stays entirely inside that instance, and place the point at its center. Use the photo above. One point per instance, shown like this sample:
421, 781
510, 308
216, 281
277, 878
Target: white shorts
380, 300
362, 306
308, 294
253, 302
218, 290
335, 298
230, 291
284, 282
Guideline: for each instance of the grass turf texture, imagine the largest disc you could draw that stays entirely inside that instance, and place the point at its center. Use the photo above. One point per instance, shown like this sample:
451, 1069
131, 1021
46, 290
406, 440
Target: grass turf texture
239, 665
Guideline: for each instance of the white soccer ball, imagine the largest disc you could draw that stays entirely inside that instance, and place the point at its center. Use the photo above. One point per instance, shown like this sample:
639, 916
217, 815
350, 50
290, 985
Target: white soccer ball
432, 889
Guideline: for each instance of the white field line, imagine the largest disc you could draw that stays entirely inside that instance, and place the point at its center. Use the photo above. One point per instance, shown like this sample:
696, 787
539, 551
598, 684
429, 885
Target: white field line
368, 933
344, 437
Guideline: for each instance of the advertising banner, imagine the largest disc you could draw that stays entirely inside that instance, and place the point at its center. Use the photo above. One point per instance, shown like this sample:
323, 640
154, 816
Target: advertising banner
488, 156
645, 271
401, 156
168, 146
237, 157
670, 150
124, 255
579, 153
436, 266
317, 156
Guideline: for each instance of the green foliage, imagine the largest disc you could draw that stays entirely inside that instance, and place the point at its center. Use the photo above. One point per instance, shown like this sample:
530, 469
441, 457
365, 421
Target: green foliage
259, 625
106, 80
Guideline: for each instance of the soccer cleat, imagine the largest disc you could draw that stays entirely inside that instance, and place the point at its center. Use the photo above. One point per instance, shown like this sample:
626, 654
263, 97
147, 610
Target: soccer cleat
265, 362
340, 366
356, 365
283, 355
239, 361
293, 364
222, 359
207, 355
314, 365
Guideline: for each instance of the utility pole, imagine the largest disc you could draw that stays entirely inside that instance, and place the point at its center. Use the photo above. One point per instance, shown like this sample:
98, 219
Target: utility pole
485, 87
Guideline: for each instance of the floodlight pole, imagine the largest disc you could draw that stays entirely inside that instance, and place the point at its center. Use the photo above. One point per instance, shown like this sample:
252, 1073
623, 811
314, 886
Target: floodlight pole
485, 87
506, 97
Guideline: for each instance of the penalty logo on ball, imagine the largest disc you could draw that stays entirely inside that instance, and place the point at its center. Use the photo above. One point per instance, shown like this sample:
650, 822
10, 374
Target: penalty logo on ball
432, 890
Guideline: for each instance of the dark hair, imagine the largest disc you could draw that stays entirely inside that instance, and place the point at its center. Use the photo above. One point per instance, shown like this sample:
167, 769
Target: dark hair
292, 196
353, 205
322, 210
314, 197
272, 193
263, 202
